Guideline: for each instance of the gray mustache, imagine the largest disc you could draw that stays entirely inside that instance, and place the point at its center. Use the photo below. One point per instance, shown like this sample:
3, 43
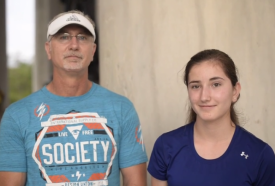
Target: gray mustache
73, 54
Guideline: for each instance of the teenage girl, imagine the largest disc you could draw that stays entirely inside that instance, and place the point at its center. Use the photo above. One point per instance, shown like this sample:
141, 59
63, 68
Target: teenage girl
212, 150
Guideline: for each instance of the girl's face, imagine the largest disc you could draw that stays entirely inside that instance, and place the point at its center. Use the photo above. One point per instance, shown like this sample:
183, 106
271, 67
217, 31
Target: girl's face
210, 91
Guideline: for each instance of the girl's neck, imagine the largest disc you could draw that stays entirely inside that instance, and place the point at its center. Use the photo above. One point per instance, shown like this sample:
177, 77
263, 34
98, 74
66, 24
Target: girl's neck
218, 130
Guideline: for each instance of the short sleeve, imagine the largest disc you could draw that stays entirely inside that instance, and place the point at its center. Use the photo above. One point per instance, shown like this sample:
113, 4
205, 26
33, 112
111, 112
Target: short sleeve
132, 149
12, 151
157, 165
266, 168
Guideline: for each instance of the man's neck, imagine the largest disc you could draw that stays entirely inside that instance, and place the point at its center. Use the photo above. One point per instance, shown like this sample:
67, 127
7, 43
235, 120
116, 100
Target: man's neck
69, 87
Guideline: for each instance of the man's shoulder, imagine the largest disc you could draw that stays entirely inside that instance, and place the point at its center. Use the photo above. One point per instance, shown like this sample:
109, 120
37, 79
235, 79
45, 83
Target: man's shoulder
109, 95
22, 103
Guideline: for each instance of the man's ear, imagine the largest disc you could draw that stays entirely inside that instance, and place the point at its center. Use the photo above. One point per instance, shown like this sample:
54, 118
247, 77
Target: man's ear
93, 51
48, 50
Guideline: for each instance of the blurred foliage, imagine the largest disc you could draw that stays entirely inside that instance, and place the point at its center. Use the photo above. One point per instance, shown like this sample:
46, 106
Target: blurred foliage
20, 81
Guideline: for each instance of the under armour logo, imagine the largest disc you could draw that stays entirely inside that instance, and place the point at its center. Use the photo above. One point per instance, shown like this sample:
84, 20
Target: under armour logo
245, 155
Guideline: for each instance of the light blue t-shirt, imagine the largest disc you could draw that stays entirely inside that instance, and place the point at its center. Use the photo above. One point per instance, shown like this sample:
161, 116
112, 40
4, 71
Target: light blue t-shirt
62, 141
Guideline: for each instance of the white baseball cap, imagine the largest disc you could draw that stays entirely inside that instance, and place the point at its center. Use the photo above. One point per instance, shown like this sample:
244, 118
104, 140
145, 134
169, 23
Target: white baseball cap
70, 18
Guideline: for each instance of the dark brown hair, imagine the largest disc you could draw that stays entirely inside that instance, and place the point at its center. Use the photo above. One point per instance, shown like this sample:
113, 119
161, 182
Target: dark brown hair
228, 67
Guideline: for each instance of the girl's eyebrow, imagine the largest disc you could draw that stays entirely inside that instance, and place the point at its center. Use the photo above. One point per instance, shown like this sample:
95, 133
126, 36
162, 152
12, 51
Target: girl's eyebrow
194, 82
215, 78
211, 79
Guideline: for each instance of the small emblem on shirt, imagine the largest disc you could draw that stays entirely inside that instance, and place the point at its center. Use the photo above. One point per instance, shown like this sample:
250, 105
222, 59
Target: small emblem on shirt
41, 110
78, 175
139, 137
245, 155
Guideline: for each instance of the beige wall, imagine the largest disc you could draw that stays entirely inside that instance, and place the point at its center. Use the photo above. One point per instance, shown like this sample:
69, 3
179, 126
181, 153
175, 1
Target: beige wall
144, 46
42, 67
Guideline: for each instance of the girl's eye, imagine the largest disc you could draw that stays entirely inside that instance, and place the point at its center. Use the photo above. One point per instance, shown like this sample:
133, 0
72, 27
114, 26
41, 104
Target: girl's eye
195, 86
216, 84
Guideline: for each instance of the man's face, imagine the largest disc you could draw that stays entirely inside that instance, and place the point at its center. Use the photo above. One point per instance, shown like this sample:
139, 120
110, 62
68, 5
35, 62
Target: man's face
71, 55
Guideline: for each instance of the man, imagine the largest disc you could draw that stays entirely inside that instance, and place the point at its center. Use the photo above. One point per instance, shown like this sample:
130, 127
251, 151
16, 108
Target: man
72, 131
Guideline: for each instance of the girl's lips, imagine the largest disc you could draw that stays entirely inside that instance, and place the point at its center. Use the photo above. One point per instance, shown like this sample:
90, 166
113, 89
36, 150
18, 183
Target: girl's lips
206, 107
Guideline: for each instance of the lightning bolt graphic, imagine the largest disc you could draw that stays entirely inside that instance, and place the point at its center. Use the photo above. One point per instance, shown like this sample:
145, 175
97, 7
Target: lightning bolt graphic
41, 110
141, 137
78, 175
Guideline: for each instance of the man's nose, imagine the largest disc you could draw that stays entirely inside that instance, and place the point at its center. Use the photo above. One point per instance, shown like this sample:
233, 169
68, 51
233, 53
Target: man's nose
74, 43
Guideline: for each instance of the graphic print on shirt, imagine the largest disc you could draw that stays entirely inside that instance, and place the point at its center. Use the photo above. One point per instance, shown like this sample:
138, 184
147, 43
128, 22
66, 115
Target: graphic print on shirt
139, 137
42, 110
75, 149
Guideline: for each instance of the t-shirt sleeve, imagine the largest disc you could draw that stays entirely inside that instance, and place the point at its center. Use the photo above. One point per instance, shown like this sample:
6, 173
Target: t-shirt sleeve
12, 151
266, 168
157, 165
132, 150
